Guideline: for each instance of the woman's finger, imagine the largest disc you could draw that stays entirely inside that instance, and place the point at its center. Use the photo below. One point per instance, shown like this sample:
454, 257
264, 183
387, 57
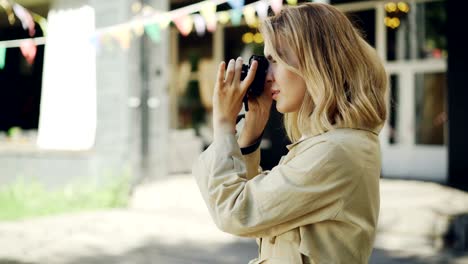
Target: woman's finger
230, 71
250, 76
220, 77
238, 68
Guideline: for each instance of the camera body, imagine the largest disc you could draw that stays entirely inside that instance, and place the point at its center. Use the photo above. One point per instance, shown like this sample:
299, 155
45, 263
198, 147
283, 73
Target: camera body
256, 87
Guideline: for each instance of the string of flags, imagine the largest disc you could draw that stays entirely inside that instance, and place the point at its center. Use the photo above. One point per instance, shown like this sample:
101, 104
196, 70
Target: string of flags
199, 17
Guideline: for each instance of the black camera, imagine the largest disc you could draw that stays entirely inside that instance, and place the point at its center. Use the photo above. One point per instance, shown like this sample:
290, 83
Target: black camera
256, 87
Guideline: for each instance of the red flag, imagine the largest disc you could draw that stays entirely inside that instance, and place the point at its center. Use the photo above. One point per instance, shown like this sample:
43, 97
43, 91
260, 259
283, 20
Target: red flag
28, 49
184, 24
276, 6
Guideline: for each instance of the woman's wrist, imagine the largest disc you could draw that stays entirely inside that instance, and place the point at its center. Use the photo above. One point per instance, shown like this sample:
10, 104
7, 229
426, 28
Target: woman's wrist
222, 127
244, 142
250, 146
247, 138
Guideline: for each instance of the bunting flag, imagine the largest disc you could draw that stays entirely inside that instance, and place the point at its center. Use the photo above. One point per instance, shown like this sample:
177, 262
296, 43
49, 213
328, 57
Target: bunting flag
164, 21
151, 22
2, 57
200, 25
236, 4
236, 17
276, 5
28, 49
208, 12
184, 24
249, 15
42, 23
26, 19
223, 17
9, 11
139, 30
154, 32
262, 9
124, 38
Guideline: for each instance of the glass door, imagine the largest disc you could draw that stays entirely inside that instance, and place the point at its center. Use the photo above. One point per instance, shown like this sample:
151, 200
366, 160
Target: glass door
413, 46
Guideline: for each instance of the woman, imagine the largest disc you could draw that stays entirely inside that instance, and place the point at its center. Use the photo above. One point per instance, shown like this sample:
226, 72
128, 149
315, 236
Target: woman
320, 204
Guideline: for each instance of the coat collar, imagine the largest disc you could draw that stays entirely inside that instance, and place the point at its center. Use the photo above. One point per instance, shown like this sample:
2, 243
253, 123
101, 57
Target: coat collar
375, 131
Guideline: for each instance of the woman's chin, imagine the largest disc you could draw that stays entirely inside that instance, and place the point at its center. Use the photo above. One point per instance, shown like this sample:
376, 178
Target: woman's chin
285, 108
280, 109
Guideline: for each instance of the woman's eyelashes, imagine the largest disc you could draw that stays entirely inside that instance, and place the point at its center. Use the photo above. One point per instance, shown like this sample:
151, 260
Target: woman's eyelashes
270, 59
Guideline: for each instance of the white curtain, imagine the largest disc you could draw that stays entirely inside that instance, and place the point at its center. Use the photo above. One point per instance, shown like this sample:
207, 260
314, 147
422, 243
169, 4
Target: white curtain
68, 103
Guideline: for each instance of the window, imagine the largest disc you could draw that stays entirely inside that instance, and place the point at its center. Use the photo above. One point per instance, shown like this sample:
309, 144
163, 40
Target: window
431, 113
419, 33
21, 89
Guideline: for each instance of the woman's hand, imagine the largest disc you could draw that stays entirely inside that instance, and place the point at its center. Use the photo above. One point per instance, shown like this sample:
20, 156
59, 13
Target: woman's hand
228, 94
256, 118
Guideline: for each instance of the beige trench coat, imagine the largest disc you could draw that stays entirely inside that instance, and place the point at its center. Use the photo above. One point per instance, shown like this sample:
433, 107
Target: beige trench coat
320, 204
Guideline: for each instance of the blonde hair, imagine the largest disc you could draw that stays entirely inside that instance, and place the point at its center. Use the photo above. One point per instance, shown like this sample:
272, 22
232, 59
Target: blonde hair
346, 81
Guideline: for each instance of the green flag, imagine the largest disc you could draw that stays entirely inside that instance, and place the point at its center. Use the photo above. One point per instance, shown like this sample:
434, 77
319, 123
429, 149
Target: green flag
154, 32
2, 57
236, 16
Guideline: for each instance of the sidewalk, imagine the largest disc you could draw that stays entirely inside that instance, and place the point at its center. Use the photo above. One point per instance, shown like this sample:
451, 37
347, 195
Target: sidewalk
167, 223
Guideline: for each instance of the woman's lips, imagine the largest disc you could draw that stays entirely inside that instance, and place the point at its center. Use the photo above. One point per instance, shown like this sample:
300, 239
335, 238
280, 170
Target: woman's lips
274, 94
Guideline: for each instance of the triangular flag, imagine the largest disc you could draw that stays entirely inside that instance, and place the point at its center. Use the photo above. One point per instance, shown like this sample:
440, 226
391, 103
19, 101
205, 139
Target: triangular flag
28, 49
200, 25
236, 4
9, 11
211, 25
154, 32
262, 9
139, 30
223, 17
249, 15
236, 17
2, 57
42, 23
124, 38
276, 5
27, 20
208, 12
184, 24
164, 21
